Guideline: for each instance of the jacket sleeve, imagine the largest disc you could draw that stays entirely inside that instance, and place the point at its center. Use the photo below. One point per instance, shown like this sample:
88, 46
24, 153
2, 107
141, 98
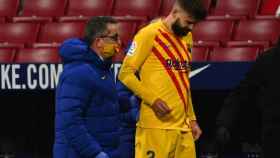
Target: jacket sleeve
243, 95
123, 96
138, 52
129, 104
73, 94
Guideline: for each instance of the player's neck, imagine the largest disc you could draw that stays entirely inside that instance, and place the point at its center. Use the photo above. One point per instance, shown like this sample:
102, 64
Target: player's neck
168, 21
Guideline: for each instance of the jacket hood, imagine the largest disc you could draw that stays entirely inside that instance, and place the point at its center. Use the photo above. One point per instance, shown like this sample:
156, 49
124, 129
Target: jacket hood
77, 50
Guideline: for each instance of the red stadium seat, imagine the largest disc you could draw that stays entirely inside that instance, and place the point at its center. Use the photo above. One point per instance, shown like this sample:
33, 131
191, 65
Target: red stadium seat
199, 54
257, 30
18, 32
167, 6
266, 17
269, 7
32, 19
127, 30
7, 55
2, 20
226, 17
8, 8
234, 54
208, 44
259, 44
145, 8
37, 55
45, 8
11, 45
236, 7
89, 7
58, 32
215, 31
46, 45
73, 19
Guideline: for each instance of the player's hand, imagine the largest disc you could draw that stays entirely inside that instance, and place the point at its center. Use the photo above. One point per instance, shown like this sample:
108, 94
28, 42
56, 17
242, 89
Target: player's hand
160, 108
196, 131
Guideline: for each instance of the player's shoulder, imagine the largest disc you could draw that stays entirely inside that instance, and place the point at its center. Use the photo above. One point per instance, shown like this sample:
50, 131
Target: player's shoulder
188, 37
151, 29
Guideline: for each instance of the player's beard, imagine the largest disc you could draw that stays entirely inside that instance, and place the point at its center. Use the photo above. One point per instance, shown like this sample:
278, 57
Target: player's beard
178, 30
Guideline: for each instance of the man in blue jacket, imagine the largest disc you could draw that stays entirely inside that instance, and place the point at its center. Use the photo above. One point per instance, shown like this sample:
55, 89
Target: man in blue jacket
87, 109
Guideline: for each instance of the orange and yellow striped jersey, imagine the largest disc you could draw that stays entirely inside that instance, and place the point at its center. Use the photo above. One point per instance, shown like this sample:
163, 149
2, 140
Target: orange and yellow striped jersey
162, 61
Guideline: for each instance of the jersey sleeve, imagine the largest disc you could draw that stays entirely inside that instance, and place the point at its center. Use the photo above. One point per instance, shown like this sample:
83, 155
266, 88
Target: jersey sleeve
190, 110
138, 52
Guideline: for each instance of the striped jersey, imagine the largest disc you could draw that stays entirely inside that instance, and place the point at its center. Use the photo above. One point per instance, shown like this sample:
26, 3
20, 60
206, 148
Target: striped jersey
162, 61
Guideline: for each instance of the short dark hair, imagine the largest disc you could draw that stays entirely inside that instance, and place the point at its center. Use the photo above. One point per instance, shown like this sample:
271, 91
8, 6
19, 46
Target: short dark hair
96, 26
195, 8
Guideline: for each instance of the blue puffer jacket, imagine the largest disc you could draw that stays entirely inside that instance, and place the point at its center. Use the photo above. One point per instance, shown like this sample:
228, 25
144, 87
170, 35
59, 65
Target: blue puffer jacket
87, 110
129, 109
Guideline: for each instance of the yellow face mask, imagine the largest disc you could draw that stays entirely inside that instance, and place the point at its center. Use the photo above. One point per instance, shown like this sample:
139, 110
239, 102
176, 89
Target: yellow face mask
110, 50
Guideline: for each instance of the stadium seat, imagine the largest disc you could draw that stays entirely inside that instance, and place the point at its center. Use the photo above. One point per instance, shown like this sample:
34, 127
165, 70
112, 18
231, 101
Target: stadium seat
199, 54
58, 32
249, 43
213, 30
167, 6
2, 20
45, 8
144, 8
89, 7
37, 55
46, 45
11, 45
32, 19
208, 44
8, 8
73, 19
22, 33
226, 17
269, 7
127, 30
236, 7
266, 17
7, 55
234, 54
257, 30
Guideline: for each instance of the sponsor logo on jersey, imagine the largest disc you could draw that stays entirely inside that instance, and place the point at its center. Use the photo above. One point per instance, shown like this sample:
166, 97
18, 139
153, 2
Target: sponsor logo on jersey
132, 48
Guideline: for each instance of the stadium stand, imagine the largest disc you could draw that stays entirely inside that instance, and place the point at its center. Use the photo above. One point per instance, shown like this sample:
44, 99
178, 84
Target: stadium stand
8, 8
236, 7
7, 55
18, 33
199, 54
46, 23
234, 54
37, 55
212, 33
89, 7
144, 8
167, 4
58, 32
257, 30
